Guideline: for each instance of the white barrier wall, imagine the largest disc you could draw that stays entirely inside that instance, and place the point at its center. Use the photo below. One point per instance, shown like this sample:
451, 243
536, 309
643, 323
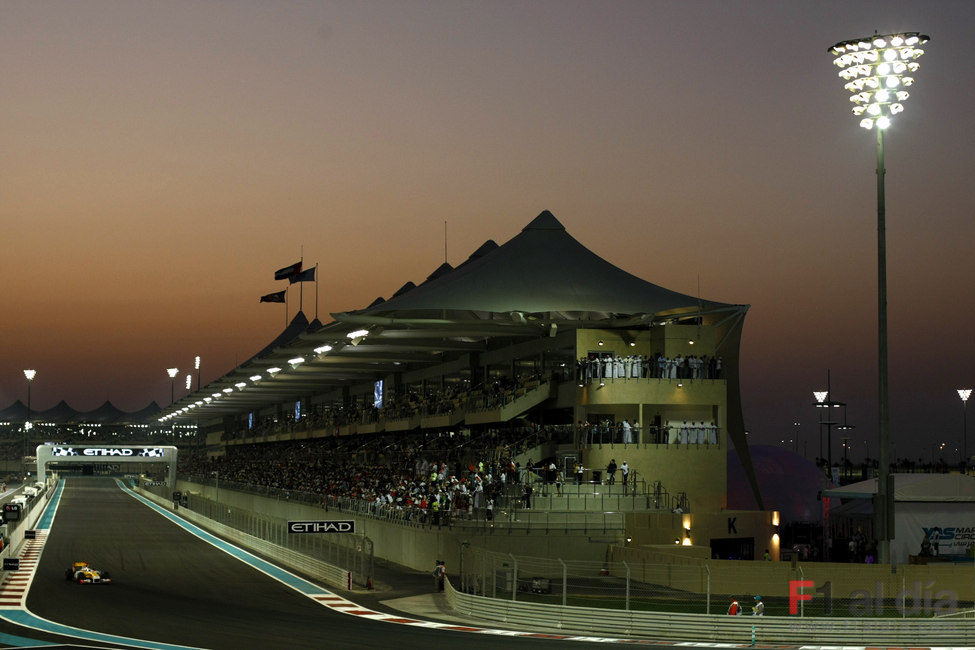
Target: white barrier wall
327, 573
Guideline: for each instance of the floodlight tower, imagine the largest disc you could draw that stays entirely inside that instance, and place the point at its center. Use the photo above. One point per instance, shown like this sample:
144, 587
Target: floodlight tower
30, 373
964, 394
172, 372
878, 69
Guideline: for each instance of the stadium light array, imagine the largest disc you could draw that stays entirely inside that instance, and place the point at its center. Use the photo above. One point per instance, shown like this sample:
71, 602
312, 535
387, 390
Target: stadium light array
877, 71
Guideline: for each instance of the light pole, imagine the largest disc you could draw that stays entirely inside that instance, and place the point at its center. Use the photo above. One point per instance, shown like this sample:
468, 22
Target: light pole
29, 374
964, 394
196, 365
824, 400
172, 372
877, 69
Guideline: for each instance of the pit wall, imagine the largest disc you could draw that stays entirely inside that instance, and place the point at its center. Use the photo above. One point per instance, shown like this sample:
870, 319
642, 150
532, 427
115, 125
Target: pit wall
29, 519
420, 548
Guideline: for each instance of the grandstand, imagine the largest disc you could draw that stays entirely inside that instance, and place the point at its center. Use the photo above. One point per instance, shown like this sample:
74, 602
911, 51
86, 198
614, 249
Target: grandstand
536, 355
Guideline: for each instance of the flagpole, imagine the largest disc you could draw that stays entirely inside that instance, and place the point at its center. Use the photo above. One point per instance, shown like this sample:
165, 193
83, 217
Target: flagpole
285, 307
301, 287
316, 292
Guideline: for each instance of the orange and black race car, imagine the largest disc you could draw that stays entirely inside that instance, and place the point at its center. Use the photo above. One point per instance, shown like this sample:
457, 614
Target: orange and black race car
83, 574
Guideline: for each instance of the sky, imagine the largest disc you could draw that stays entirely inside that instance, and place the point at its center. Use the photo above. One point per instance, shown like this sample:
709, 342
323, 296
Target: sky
161, 159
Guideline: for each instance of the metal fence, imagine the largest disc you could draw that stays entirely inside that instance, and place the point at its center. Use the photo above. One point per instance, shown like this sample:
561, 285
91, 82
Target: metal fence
352, 553
610, 585
501, 519
696, 588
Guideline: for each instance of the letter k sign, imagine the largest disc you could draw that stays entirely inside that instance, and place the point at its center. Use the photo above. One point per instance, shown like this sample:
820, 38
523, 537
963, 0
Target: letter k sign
732, 527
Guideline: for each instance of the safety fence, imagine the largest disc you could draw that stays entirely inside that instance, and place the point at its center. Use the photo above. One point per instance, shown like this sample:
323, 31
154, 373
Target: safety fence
500, 520
353, 553
690, 627
625, 582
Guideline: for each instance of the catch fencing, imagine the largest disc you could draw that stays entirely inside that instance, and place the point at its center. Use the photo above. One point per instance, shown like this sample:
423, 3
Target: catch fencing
353, 553
628, 583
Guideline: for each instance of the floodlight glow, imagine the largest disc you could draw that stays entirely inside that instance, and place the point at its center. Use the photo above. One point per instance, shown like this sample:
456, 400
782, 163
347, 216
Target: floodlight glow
296, 361
323, 349
30, 374
228, 390
240, 384
964, 393
357, 334
196, 363
199, 402
218, 395
207, 399
273, 371
172, 372
189, 381
878, 62
255, 378
821, 395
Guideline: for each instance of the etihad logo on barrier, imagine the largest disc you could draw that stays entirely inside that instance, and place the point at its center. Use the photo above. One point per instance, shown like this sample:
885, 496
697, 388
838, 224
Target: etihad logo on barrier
145, 452
328, 526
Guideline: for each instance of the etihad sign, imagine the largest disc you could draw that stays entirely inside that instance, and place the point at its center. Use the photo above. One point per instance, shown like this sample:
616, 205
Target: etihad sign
144, 452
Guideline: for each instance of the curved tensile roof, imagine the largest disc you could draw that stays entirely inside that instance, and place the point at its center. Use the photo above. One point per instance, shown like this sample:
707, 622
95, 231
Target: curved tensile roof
543, 269
64, 413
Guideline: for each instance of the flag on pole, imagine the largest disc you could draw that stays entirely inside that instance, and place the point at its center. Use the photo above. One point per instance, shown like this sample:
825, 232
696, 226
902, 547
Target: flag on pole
305, 276
288, 271
277, 296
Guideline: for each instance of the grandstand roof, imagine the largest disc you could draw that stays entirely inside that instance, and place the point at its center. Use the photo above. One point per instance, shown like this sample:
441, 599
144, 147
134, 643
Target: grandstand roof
541, 271
538, 283
63, 413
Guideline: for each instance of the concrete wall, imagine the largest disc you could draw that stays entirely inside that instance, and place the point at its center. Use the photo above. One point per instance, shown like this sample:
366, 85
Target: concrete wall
664, 529
698, 470
419, 548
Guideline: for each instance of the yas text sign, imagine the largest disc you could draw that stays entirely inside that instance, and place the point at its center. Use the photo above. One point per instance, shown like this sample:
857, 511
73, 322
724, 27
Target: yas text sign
328, 526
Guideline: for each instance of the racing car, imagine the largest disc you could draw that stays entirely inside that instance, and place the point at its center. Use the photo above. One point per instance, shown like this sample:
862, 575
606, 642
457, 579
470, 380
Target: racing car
83, 574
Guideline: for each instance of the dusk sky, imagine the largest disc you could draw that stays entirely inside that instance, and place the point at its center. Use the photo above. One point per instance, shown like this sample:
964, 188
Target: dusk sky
161, 159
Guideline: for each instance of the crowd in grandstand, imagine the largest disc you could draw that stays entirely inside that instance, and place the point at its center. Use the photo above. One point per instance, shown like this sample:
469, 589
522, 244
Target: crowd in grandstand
427, 476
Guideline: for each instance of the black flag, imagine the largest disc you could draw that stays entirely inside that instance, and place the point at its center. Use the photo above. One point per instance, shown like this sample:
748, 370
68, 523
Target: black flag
277, 296
287, 272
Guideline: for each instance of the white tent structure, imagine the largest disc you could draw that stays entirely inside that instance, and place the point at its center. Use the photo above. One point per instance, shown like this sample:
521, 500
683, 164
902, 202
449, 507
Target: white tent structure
940, 507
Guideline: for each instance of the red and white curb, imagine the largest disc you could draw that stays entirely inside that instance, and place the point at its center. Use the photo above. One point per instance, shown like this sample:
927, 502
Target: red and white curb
15, 585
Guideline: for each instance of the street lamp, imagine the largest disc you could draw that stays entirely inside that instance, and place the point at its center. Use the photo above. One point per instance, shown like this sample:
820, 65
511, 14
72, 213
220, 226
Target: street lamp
172, 372
29, 374
964, 394
877, 70
196, 365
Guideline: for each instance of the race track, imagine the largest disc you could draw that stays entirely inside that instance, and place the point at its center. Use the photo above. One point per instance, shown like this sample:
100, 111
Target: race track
172, 587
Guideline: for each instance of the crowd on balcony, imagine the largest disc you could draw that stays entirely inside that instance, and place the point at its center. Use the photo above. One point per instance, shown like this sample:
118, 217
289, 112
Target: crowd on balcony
600, 367
409, 403
626, 432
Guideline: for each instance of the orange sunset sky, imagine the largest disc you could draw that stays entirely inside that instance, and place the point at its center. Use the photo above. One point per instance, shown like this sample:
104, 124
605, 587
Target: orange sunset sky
161, 159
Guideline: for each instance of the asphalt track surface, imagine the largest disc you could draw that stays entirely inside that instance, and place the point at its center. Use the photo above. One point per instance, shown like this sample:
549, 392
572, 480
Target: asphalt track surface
172, 587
